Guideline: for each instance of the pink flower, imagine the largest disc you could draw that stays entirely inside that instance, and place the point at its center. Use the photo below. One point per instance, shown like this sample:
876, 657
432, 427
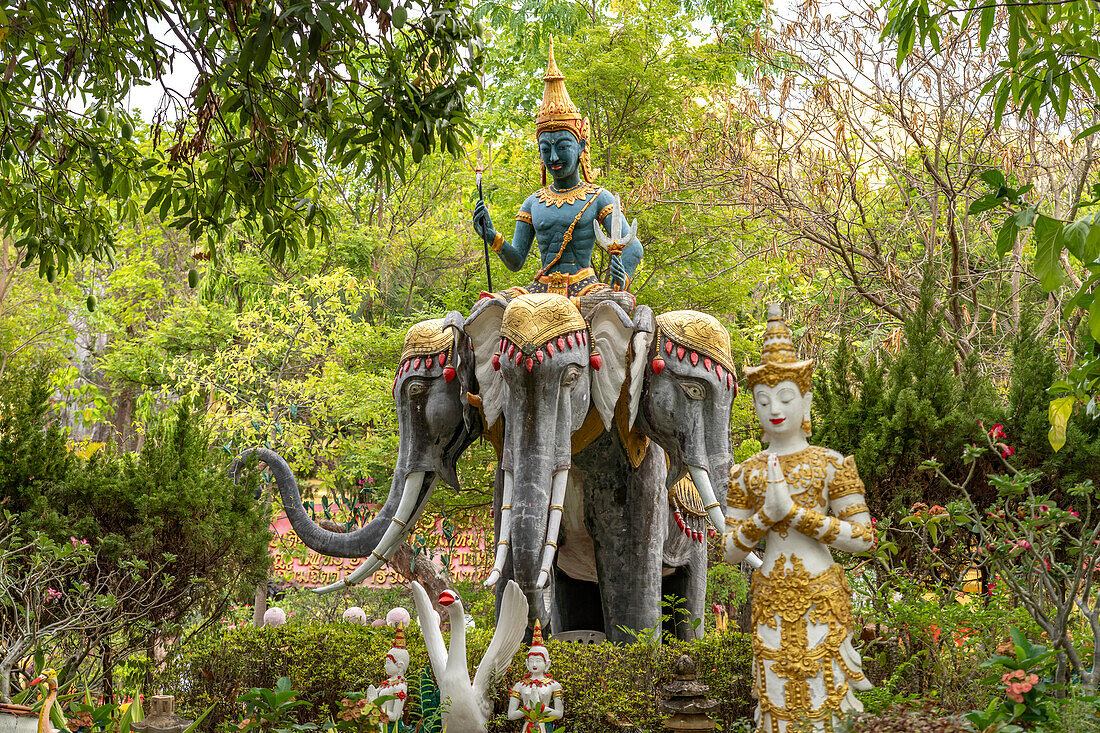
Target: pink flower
1047, 563
1008, 452
1016, 698
997, 431
1073, 513
1033, 679
370, 479
1024, 686
52, 595
77, 543
1044, 508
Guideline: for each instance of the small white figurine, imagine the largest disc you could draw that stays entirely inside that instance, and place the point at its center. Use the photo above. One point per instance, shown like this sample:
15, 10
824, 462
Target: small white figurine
397, 663
537, 688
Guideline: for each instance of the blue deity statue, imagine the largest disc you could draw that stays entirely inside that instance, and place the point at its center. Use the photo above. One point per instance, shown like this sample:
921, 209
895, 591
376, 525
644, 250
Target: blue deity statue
564, 218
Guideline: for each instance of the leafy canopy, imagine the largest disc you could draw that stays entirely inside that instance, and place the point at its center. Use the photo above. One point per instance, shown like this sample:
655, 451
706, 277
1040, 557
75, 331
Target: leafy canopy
280, 90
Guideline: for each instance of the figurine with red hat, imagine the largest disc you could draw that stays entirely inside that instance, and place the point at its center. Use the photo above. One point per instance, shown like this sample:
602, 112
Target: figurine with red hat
538, 696
395, 687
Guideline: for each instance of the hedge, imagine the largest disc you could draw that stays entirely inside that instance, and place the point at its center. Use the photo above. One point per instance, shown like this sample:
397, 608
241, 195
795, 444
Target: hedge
608, 688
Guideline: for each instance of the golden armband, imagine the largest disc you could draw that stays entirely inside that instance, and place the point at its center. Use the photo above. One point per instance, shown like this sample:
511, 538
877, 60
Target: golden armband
498, 242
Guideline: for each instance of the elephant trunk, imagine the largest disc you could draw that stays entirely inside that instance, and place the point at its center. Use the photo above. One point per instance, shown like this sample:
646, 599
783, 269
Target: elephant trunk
377, 538
530, 522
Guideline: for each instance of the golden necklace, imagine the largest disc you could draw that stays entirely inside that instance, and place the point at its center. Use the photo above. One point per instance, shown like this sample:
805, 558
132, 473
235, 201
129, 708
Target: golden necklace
553, 197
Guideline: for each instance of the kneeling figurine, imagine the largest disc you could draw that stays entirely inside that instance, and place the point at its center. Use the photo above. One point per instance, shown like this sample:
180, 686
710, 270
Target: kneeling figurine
538, 696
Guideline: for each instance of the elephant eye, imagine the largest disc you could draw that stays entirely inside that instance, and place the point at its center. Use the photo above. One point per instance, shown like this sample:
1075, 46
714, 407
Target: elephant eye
693, 390
417, 388
572, 374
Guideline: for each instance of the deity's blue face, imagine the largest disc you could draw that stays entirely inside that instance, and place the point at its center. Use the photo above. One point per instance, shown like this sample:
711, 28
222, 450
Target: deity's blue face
560, 153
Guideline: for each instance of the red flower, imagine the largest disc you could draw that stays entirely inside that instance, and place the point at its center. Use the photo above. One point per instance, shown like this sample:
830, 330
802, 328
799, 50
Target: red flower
997, 431
1008, 451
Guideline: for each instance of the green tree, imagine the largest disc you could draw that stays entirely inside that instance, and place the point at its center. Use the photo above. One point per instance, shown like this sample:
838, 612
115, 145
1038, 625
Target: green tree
279, 87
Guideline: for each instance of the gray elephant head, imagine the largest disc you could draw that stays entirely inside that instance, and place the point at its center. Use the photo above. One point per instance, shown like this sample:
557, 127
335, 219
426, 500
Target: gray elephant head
542, 367
685, 402
435, 425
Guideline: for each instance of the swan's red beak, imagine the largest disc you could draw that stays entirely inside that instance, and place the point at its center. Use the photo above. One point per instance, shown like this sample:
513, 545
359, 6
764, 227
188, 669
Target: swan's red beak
447, 597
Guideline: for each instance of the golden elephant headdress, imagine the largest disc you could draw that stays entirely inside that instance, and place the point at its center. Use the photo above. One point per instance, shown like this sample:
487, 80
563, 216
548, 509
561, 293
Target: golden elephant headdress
687, 334
535, 325
426, 344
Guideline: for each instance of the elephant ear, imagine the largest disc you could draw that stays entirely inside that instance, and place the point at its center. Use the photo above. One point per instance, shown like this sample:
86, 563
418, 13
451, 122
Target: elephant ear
645, 327
611, 329
483, 330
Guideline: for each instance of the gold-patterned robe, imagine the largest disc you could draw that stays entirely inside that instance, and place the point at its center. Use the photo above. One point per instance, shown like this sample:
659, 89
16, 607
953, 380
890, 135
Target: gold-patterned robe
803, 623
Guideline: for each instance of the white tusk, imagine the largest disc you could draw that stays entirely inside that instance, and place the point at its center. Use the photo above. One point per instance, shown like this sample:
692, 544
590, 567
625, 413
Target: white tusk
553, 525
400, 526
701, 479
753, 560
505, 531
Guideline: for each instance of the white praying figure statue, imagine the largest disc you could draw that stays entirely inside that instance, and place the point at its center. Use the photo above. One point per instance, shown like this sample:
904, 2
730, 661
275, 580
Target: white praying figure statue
395, 686
800, 500
536, 689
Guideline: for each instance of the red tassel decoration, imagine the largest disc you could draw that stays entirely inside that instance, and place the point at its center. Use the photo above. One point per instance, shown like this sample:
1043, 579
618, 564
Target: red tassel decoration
428, 363
530, 363
712, 532
443, 358
416, 364
569, 340
561, 344
511, 350
680, 353
519, 357
496, 362
539, 356
719, 371
658, 365
549, 349
706, 363
694, 358
597, 361
582, 336
449, 372
668, 347
729, 382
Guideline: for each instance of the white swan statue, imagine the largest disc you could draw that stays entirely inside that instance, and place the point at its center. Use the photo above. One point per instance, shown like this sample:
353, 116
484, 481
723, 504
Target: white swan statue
466, 705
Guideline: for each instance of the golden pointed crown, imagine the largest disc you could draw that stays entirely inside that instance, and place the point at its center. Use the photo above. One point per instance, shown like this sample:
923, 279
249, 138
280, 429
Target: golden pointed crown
399, 639
778, 358
559, 113
536, 640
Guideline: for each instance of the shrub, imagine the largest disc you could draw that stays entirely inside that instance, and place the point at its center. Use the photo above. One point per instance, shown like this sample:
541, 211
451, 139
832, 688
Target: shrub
604, 685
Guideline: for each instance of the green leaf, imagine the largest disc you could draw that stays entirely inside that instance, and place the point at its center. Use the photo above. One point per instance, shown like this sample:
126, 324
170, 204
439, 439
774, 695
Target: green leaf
1006, 237
993, 177
1058, 413
1048, 250
1094, 319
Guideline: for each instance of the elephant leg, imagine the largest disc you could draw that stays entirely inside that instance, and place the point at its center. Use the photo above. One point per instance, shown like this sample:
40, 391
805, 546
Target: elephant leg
577, 605
624, 514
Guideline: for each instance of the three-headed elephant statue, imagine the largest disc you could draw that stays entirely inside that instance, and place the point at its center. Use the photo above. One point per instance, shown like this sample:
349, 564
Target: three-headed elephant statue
593, 522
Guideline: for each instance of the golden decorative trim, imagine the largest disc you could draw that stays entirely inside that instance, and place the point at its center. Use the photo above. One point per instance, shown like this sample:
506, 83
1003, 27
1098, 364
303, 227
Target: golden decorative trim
789, 601
426, 338
552, 197
832, 532
524, 216
753, 532
700, 332
605, 212
809, 522
498, 242
852, 509
566, 279
779, 359
590, 429
684, 496
532, 320
847, 482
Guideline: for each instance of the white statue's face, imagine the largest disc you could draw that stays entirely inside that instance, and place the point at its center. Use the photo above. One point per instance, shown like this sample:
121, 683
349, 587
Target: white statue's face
394, 667
537, 665
781, 409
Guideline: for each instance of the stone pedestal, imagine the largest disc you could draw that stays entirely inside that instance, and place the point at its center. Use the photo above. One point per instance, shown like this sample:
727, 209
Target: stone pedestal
684, 700
162, 717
